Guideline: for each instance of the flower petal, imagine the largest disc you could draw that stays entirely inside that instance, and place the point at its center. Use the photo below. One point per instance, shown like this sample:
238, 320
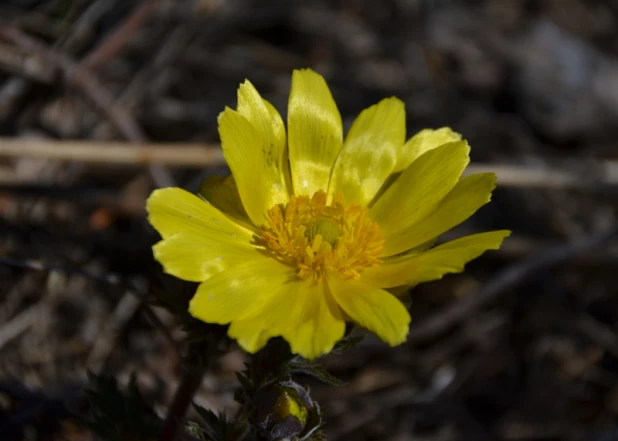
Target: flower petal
419, 189
318, 325
372, 308
370, 151
278, 128
303, 313
174, 210
249, 334
196, 258
314, 132
222, 193
422, 142
254, 330
468, 195
264, 117
280, 136
450, 257
240, 291
254, 149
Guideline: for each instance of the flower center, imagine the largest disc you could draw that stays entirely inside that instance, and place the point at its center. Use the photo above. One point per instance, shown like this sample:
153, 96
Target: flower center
318, 239
325, 227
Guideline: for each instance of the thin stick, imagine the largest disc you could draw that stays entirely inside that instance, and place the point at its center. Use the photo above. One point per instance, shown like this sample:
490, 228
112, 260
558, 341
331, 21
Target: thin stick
22, 322
594, 174
119, 37
114, 153
84, 81
110, 279
126, 308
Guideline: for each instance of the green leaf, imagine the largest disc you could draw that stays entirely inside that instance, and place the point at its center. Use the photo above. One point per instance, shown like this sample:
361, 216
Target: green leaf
117, 416
315, 370
346, 343
215, 427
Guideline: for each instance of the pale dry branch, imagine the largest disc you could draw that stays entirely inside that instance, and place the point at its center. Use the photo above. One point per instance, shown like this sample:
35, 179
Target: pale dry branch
119, 38
20, 324
114, 153
84, 81
592, 173
104, 346
587, 174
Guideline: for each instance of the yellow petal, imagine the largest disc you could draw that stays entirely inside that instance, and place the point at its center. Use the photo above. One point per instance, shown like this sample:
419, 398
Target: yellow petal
264, 117
422, 142
239, 291
314, 132
372, 308
249, 335
222, 193
196, 258
416, 193
318, 324
370, 150
278, 128
174, 210
450, 257
468, 195
280, 136
302, 312
254, 148
253, 331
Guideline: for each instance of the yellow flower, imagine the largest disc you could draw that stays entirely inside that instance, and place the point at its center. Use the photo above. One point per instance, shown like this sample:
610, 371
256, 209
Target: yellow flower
311, 230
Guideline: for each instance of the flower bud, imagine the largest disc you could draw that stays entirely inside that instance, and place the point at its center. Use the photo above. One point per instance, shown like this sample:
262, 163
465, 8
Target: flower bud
284, 411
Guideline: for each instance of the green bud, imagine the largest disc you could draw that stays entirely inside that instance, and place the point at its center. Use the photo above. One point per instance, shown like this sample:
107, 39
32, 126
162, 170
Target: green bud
284, 411
289, 403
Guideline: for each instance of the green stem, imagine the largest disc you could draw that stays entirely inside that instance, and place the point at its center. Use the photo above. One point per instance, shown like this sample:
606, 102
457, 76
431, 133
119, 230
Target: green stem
190, 382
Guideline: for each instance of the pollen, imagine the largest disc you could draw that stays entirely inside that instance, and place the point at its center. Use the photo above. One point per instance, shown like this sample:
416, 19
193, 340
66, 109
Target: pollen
319, 239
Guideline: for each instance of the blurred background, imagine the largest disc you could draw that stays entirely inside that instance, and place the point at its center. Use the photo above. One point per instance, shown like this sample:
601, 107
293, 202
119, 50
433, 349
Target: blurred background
522, 346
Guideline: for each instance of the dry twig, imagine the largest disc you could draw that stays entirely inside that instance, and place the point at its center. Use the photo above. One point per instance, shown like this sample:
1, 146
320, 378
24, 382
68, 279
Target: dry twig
103, 347
113, 153
594, 174
91, 88
119, 38
22, 322
122, 310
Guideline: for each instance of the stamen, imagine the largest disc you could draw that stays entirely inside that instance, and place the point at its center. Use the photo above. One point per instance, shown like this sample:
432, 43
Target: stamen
318, 239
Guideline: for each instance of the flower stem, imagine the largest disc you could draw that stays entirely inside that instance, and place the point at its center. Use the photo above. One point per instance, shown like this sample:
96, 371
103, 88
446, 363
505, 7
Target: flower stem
190, 382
